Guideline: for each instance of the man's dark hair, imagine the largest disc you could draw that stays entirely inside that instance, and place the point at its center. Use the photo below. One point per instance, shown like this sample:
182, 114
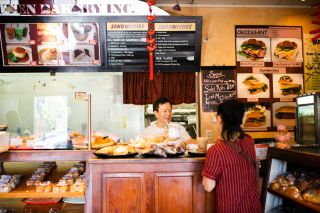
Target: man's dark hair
231, 112
161, 100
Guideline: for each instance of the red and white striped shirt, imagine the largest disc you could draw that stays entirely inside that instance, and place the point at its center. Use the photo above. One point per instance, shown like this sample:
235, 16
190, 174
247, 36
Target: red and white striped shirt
235, 176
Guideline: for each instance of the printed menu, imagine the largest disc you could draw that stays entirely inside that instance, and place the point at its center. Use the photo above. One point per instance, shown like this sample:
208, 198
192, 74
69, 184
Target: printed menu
269, 46
175, 46
50, 44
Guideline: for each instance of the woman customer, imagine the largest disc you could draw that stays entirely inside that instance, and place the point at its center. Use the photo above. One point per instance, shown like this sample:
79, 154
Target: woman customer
230, 163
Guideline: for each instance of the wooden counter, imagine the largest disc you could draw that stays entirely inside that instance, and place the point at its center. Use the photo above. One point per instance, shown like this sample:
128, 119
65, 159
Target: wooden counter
147, 185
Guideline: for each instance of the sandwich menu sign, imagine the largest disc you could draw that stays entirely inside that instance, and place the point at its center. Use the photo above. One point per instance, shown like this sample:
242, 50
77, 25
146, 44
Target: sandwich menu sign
269, 73
176, 46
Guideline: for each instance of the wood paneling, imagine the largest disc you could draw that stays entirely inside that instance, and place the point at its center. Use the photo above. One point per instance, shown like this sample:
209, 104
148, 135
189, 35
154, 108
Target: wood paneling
147, 185
123, 192
182, 184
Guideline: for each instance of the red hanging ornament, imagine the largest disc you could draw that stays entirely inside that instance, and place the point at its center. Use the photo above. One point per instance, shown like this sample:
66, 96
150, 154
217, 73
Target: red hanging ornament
150, 39
316, 20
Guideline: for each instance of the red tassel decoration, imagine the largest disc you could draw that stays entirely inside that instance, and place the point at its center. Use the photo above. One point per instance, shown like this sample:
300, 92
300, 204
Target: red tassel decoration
149, 39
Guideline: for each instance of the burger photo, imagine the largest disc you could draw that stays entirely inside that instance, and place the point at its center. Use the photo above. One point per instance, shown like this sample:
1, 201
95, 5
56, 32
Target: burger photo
253, 49
286, 112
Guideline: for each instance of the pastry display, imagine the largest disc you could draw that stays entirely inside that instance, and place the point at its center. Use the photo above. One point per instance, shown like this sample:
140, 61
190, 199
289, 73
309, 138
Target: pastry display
253, 49
100, 142
298, 185
9, 182
286, 50
288, 87
255, 85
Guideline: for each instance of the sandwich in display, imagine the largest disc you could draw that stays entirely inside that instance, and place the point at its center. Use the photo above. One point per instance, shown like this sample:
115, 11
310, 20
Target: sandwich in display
288, 87
286, 112
253, 49
286, 50
255, 117
255, 85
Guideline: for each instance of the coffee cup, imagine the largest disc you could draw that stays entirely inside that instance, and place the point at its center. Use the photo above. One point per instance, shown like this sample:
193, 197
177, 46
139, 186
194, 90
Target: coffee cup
202, 143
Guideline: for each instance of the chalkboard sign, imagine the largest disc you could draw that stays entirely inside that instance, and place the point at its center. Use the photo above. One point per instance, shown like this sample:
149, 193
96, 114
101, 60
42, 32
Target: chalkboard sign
218, 85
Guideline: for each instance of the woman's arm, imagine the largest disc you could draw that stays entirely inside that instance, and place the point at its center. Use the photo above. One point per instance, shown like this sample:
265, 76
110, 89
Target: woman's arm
208, 184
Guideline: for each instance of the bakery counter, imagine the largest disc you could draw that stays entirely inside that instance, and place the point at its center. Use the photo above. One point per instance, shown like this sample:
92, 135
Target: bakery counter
147, 185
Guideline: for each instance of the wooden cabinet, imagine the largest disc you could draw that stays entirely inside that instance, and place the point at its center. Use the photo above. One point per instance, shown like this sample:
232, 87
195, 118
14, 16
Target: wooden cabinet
278, 161
147, 185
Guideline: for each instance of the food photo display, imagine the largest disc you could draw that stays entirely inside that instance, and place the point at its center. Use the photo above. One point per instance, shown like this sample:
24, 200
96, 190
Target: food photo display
284, 113
253, 49
19, 54
82, 32
17, 33
256, 117
82, 54
286, 49
287, 85
49, 55
252, 85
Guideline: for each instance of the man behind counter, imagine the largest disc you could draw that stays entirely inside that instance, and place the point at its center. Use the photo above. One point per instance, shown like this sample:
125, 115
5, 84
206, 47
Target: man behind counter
162, 109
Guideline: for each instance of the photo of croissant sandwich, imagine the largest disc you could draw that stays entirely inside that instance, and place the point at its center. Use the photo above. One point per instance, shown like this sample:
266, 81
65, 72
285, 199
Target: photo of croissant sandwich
253, 49
255, 85
288, 87
286, 112
286, 50
255, 117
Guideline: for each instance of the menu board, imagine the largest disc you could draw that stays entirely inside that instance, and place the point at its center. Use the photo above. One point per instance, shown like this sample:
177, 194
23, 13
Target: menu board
269, 46
269, 74
218, 85
177, 46
99, 43
50, 44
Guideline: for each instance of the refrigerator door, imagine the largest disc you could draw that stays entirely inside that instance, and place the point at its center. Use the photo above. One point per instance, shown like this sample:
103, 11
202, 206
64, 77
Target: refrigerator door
306, 124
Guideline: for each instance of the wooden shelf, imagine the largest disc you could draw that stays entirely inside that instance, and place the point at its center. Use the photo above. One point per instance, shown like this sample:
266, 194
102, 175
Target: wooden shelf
23, 191
45, 155
307, 205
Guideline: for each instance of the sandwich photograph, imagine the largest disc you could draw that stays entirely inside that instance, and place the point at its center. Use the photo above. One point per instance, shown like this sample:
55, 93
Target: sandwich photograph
252, 85
286, 49
256, 116
19, 54
287, 85
284, 113
253, 49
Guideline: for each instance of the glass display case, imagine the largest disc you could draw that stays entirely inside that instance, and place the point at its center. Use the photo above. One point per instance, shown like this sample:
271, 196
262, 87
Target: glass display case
52, 112
308, 121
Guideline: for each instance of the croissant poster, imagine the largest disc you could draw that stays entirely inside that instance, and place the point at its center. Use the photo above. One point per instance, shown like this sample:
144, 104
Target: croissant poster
269, 46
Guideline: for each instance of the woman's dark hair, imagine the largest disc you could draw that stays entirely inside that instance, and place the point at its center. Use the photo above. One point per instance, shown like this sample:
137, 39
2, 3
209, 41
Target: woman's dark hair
161, 100
231, 112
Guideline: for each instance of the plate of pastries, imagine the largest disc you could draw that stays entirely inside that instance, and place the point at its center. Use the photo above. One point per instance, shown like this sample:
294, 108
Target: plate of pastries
116, 151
